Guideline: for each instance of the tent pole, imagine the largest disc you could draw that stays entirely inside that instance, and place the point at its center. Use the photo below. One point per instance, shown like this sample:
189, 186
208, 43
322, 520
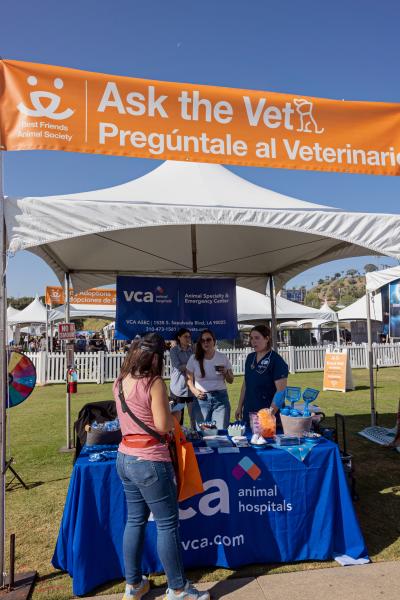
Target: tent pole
273, 313
370, 361
47, 328
51, 333
3, 378
66, 297
337, 332
193, 237
68, 396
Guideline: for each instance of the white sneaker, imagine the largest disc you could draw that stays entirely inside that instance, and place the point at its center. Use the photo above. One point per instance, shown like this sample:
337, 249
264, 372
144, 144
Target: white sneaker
136, 592
188, 593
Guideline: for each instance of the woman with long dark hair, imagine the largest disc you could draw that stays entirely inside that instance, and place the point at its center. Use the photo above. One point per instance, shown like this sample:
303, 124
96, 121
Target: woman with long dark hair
208, 370
265, 376
179, 355
145, 468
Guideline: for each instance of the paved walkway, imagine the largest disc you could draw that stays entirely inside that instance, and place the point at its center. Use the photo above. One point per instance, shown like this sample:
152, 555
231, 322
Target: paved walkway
362, 582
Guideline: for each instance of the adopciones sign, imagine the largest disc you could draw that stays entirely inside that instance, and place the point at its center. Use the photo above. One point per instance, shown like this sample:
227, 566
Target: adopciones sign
165, 305
44, 107
55, 295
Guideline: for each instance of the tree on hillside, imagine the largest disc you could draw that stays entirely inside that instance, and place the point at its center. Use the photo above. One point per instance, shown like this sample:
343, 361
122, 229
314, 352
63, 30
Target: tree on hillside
351, 272
337, 275
312, 300
21, 303
370, 267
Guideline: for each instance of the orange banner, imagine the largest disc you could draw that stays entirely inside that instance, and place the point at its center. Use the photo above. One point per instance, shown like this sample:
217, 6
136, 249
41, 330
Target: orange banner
45, 107
55, 295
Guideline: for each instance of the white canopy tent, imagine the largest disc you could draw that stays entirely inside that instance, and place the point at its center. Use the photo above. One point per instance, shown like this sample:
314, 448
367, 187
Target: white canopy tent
374, 281
34, 314
12, 312
11, 330
323, 316
253, 307
182, 219
357, 311
191, 219
80, 311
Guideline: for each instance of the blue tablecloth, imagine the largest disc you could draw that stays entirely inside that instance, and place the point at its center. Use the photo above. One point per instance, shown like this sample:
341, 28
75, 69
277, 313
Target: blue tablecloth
259, 506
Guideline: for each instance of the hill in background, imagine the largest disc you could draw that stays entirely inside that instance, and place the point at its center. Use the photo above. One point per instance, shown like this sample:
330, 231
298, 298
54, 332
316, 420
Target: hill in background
340, 289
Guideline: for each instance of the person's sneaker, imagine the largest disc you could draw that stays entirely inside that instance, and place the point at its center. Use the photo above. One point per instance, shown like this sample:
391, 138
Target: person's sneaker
188, 593
138, 591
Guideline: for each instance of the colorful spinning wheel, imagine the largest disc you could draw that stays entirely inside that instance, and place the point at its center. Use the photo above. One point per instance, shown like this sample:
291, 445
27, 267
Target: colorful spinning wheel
21, 378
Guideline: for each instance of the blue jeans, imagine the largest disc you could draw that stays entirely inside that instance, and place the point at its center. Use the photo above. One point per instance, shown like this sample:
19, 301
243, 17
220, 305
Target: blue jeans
215, 407
150, 486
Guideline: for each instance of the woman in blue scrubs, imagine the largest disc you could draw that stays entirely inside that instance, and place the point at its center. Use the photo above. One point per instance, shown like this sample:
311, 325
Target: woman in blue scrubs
265, 377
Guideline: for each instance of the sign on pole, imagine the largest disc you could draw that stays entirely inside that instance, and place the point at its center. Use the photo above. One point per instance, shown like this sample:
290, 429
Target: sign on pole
66, 331
69, 353
337, 372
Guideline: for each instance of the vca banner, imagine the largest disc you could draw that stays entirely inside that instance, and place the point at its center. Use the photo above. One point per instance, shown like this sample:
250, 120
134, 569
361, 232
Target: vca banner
165, 305
394, 309
44, 107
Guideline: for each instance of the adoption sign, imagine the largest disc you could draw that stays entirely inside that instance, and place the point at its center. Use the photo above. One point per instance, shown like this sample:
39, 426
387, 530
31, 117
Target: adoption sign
337, 372
394, 309
55, 295
165, 305
44, 107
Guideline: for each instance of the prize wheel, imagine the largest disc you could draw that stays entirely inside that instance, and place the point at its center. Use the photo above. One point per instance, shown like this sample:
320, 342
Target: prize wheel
21, 378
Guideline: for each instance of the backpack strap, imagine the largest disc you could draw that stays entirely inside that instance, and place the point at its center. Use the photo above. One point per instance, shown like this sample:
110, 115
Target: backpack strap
125, 408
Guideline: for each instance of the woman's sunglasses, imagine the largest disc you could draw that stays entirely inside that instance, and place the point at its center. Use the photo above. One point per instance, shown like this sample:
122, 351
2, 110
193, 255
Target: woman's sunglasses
203, 340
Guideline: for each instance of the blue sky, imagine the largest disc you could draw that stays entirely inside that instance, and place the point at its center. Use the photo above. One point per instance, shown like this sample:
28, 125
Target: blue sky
347, 49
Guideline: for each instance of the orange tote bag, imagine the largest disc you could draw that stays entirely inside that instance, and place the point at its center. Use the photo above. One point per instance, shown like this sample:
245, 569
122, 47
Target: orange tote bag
187, 469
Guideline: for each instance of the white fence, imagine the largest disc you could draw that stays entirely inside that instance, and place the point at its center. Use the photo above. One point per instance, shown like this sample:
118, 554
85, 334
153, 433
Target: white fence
104, 366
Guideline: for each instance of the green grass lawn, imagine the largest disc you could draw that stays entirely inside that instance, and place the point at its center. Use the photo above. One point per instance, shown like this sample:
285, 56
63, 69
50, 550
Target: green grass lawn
36, 432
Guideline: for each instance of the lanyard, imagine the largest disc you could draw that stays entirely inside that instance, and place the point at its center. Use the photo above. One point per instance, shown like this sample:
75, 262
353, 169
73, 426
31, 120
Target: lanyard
263, 364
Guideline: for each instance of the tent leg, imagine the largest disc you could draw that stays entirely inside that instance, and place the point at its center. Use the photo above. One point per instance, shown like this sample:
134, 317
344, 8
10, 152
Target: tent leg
370, 361
273, 313
68, 396
3, 378
51, 337
47, 328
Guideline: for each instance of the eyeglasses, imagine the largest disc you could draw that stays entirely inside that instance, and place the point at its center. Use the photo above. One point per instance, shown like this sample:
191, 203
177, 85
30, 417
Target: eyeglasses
203, 340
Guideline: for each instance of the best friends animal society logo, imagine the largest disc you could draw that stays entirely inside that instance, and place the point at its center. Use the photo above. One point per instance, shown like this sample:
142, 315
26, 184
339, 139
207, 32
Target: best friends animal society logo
41, 109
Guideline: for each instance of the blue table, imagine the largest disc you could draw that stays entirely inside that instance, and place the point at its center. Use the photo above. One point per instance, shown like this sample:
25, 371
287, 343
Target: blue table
270, 508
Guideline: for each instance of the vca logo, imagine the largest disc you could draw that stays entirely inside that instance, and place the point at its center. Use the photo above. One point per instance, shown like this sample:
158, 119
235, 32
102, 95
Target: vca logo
139, 296
214, 500
45, 104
